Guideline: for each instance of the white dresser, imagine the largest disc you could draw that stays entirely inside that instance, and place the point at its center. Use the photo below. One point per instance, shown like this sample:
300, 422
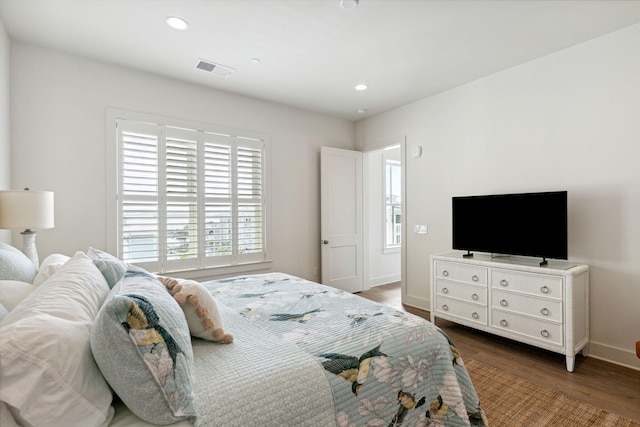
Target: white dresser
514, 297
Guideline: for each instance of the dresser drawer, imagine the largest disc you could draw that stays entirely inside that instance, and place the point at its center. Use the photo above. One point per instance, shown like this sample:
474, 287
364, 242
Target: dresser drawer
544, 308
528, 283
471, 293
461, 272
463, 310
535, 329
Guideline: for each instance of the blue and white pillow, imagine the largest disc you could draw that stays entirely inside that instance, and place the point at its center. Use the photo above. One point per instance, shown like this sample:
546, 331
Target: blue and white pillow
14, 265
111, 267
141, 342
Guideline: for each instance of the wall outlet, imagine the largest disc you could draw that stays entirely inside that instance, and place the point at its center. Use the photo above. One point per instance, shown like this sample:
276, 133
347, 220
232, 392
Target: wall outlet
420, 229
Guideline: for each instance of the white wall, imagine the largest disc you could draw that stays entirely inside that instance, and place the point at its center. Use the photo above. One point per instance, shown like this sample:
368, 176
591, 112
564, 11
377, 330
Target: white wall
58, 105
5, 134
567, 121
381, 267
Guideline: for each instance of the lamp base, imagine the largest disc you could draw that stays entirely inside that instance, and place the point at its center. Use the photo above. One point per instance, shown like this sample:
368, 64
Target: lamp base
29, 246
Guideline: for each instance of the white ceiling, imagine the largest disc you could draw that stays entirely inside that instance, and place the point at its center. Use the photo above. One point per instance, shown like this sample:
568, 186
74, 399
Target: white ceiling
313, 52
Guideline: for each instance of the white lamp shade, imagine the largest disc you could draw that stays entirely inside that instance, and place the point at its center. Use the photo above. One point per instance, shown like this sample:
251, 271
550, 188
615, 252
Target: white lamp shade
26, 209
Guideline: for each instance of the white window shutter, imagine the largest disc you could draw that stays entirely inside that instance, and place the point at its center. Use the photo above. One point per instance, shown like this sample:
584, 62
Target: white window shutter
218, 200
189, 198
181, 203
139, 226
249, 173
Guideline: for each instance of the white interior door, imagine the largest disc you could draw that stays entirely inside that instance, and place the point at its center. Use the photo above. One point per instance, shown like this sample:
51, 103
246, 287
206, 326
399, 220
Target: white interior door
341, 219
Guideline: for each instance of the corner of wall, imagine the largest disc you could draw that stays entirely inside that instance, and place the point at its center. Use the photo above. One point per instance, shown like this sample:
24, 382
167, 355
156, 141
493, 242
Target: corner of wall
5, 116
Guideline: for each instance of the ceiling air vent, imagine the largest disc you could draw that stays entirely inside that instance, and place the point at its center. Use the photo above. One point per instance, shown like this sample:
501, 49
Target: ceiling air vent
212, 67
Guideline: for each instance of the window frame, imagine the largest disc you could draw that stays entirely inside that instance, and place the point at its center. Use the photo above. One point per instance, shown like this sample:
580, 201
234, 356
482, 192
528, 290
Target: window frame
201, 268
386, 163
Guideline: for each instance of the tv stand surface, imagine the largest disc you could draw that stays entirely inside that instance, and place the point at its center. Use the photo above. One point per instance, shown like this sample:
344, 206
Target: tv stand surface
553, 264
514, 297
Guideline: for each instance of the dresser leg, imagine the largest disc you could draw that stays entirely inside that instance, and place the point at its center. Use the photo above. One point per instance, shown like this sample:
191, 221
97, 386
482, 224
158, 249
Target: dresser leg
585, 350
571, 361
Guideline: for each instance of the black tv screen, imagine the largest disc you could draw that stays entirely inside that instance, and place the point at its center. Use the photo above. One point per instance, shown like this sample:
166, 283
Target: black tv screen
527, 224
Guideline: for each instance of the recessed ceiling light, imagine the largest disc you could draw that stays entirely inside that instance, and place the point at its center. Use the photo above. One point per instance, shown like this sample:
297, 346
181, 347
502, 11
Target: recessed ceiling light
348, 4
362, 111
361, 86
177, 23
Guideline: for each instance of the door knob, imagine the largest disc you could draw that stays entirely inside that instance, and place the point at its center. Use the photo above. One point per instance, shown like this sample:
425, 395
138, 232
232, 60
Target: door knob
325, 242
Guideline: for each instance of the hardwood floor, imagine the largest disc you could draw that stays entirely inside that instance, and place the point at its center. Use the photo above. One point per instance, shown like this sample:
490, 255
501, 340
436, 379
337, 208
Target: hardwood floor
604, 385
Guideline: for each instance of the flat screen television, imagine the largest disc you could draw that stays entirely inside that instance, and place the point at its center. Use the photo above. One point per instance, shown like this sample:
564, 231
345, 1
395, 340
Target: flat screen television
527, 224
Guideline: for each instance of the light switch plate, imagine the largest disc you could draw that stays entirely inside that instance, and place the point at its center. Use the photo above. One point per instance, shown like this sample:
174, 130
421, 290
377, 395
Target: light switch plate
420, 229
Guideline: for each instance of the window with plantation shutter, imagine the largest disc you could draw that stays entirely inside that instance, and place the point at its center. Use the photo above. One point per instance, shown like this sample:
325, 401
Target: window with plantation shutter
189, 198
249, 200
393, 204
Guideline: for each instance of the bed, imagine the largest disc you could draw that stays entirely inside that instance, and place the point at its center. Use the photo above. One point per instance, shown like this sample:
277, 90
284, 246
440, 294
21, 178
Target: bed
285, 352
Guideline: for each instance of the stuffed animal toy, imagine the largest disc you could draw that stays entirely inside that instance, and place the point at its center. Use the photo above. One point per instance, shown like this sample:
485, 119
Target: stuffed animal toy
199, 308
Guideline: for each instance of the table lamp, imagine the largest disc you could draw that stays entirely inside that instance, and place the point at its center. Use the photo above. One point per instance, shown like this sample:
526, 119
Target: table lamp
28, 210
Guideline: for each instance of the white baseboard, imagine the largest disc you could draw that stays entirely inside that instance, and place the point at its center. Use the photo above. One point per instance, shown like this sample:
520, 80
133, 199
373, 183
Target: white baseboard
417, 302
617, 356
383, 280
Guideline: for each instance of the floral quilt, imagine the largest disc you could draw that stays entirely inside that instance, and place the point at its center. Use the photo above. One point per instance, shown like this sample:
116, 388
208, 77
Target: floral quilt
385, 367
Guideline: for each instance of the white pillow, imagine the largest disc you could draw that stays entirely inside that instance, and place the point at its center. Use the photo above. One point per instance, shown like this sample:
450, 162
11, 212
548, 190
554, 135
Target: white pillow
6, 419
47, 372
50, 265
14, 291
3, 311
199, 307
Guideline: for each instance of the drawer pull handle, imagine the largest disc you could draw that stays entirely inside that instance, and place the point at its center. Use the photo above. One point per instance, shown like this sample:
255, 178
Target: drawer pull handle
504, 302
504, 323
545, 333
445, 290
475, 278
545, 312
445, 307
504, 283
475, 297
545, 289
445, 273
475, 315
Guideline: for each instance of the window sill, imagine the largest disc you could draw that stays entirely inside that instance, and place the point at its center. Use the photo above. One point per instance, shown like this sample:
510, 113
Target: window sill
213, 273
392, 250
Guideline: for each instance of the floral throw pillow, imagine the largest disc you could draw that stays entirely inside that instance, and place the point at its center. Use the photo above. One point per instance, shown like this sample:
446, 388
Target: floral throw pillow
141, 343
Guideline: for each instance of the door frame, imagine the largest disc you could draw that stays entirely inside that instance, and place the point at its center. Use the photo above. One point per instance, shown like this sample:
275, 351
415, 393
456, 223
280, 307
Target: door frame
381, 145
